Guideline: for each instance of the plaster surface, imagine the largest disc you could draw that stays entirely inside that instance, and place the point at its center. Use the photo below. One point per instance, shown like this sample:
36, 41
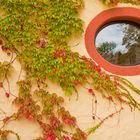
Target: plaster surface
125, 126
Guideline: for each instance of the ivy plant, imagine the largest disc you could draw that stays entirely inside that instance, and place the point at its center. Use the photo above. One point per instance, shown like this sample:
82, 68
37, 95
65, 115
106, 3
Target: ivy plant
37, 32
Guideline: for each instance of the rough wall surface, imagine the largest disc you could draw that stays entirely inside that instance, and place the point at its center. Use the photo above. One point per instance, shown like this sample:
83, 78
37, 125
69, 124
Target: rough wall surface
125, 126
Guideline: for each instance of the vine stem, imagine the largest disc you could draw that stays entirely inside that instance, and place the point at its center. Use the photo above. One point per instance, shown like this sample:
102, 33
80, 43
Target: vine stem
19, 74
5, 121
93, 129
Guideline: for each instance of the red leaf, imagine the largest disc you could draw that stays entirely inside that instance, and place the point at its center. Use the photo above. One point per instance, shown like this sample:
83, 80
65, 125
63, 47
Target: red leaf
7, 94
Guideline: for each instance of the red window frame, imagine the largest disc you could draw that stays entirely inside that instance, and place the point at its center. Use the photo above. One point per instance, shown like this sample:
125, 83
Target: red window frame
107, 16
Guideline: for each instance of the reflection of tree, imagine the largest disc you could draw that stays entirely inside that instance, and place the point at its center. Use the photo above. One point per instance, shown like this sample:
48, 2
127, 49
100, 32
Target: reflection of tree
131, 35
131, 40
106, 47
128, 58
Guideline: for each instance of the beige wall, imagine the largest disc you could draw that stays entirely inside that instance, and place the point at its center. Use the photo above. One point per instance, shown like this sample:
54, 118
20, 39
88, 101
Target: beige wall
122, 127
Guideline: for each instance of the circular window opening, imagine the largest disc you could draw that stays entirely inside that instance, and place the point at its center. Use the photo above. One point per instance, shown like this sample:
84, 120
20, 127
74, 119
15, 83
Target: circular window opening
119, 43
112, 39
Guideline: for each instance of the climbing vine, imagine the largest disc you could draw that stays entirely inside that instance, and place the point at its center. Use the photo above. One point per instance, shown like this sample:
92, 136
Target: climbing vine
36, 33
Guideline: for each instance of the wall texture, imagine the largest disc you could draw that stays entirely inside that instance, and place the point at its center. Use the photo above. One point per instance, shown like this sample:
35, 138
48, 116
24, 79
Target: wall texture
121, 127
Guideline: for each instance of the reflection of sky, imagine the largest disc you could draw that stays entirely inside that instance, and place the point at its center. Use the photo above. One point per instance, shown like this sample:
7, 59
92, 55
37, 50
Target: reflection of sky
111, 33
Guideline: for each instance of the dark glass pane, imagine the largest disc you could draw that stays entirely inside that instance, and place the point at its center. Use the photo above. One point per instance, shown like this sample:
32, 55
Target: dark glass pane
119, 43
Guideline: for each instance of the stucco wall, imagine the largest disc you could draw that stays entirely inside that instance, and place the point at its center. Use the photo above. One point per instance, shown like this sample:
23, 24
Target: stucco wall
125, 126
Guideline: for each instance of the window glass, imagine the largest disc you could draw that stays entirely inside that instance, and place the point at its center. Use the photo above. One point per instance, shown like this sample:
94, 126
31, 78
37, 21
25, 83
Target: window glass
119, 43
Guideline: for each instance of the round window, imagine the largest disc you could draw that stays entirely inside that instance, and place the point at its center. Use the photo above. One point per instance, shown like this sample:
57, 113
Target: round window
113, 40
119, 43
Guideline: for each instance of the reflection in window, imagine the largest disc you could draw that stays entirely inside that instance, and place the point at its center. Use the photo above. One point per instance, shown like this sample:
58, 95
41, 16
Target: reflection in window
119, 43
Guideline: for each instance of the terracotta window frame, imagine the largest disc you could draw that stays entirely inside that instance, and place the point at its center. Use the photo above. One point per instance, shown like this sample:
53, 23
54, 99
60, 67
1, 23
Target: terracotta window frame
105, 17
